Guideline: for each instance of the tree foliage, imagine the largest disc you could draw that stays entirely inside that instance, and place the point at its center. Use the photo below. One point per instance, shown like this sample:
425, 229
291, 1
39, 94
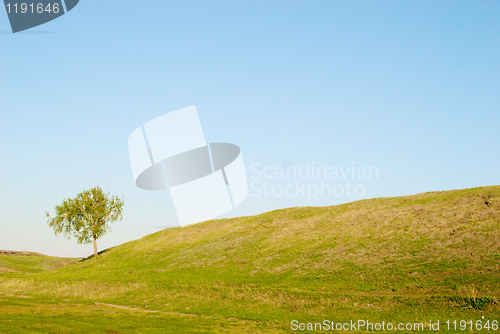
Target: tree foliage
87, 216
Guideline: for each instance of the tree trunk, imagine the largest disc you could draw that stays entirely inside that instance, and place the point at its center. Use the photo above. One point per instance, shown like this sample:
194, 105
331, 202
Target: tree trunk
95, 248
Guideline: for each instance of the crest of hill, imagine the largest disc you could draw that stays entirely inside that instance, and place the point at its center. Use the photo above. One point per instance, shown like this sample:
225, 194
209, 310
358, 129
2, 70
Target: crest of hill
436, 226
20, 253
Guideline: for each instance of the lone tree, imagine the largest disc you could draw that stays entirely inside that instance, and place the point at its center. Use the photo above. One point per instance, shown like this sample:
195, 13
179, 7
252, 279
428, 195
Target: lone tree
86, 217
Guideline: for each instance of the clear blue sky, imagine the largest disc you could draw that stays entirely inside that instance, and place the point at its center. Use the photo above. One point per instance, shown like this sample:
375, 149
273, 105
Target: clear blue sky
409, 87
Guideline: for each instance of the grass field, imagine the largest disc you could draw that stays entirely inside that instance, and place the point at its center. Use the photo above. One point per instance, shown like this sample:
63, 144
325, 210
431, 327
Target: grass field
412, 259
29, 262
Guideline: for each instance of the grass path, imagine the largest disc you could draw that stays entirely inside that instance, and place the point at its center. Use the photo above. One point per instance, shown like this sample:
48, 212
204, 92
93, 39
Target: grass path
29, 315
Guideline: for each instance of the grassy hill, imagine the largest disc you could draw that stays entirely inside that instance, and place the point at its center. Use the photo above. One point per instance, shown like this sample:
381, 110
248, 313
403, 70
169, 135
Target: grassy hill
416, 259
30, 262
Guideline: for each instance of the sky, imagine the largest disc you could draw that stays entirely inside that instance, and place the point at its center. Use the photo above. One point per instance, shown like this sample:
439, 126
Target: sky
329, 101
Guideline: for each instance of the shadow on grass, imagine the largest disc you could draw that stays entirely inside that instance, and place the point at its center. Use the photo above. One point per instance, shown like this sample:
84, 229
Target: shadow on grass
92, 256
477, 303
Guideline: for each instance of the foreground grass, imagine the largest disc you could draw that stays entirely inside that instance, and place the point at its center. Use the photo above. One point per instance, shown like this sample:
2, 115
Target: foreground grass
28, 315
420, 258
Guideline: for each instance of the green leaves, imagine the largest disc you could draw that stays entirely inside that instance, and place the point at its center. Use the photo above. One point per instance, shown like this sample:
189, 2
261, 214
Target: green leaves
87, 216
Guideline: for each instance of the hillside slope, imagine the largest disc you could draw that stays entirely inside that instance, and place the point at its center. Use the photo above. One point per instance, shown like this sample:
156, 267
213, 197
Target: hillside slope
30, 262
428, 256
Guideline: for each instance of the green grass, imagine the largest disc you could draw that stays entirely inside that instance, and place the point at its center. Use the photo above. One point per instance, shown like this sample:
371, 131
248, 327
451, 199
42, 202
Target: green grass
432, 256
32, 263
